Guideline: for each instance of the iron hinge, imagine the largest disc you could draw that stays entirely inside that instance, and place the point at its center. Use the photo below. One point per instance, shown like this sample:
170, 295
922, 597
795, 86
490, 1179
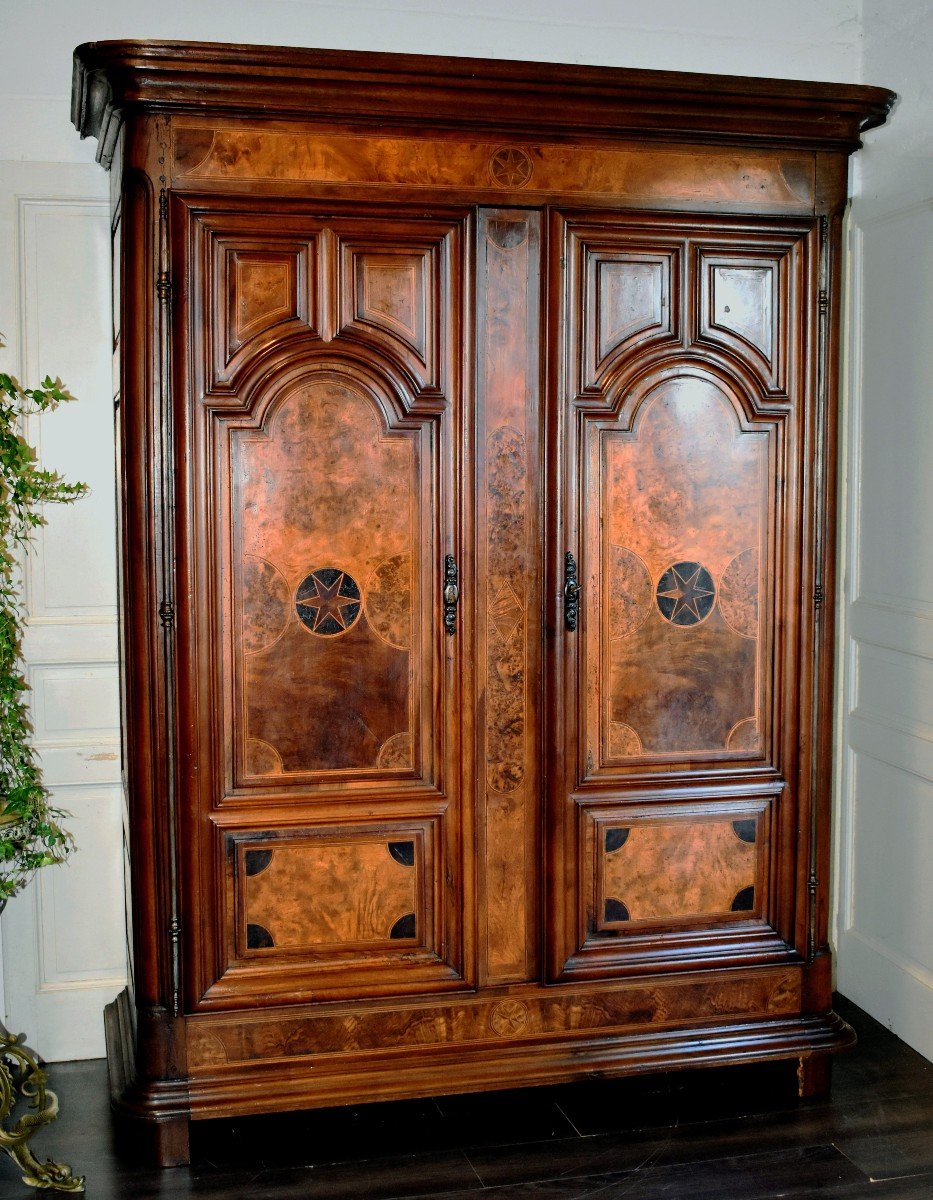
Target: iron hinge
167, 614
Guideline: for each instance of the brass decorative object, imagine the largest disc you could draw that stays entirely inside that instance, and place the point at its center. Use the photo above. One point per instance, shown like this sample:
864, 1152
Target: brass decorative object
22, 1078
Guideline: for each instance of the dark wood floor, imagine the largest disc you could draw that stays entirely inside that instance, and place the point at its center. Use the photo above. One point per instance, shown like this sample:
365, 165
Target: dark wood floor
737, 1134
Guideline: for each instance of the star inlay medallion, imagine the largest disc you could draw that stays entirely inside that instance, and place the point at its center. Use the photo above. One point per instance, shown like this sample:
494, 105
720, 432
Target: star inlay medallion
328, 601
510, 167
686, 593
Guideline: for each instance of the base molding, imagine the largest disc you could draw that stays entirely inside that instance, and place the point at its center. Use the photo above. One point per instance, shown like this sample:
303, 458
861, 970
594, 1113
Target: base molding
152, 1115
154, 1105
440, 1070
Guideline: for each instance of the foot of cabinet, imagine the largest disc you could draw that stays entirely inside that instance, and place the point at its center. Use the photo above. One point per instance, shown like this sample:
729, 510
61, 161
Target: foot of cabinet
814, 1075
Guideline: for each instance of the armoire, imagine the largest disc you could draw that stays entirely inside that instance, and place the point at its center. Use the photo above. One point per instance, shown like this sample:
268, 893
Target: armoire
477, 441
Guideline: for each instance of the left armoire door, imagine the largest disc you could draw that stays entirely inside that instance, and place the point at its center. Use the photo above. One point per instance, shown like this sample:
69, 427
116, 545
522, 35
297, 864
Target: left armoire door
318, 451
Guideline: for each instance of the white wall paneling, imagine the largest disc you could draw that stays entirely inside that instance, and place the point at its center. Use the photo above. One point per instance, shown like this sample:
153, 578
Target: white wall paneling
63, 947
885, 780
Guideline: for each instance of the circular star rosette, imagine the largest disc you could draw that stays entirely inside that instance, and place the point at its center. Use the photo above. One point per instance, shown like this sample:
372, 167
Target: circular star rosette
685, 594
328, 602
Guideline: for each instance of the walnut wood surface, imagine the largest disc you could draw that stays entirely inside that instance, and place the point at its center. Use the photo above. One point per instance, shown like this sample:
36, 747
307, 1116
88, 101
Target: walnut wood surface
378, 311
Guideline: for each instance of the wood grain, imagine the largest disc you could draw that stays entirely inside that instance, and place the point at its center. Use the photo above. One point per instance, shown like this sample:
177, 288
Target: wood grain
508, 528
381, 310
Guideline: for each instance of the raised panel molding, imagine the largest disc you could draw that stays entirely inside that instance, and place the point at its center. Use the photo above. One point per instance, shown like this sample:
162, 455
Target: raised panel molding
894, 689
626, 297
394, 294
263, 289
88, 953
70, 575
677, 580
327, 604
896, 624
73, 703
632, 297
335, 893
909, 748
260, 284
744, 306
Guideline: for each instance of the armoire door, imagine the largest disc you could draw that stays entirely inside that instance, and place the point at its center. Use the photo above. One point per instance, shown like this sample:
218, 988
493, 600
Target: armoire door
319, 448
683, 388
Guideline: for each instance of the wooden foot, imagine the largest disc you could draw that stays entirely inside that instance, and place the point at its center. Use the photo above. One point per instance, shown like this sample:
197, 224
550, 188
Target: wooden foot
157, 1143
814, 1075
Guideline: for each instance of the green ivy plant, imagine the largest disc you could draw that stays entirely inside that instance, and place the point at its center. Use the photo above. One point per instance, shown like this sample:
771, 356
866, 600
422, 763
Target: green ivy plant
31, 833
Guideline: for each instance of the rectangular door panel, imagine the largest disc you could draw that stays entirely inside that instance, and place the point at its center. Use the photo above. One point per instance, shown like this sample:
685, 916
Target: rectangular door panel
327, 402
333, 552
678, 521
679, 879
678, 536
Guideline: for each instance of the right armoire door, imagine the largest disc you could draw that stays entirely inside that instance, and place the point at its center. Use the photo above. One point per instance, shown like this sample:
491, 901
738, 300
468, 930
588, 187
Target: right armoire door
684, 394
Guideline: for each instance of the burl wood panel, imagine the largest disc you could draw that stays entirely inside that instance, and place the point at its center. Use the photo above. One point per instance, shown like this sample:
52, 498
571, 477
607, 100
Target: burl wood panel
263, 284
317, 893
679, 870
565, 1011
327, 548
683, 541
508, 553
392, 293
744, 307
628, 299
715, 177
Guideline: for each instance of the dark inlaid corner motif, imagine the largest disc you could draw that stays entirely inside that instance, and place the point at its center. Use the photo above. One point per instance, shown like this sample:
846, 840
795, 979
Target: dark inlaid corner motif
258, 937
744, 900
615, 910
404, 927
256, 861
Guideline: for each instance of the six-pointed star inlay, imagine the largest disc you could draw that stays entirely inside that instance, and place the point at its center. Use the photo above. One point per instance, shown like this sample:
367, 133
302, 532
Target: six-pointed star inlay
328, 601
686, 593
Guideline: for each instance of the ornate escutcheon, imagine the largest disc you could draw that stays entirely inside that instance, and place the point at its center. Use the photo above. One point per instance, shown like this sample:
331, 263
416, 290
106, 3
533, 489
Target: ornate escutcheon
451, 593
572, 590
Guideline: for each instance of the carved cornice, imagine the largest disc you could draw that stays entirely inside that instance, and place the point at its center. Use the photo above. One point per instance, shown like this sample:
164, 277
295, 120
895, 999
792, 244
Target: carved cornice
402, 91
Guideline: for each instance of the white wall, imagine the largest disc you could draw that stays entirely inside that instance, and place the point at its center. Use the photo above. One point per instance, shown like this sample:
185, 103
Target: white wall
42, 159
62, 940
885, 880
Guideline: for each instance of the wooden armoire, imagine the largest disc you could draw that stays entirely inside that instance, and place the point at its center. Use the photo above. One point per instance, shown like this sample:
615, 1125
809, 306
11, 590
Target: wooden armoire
477, 442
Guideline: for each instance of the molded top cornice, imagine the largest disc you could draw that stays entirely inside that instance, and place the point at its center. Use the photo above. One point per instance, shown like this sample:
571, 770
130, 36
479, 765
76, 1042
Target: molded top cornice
406, 91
